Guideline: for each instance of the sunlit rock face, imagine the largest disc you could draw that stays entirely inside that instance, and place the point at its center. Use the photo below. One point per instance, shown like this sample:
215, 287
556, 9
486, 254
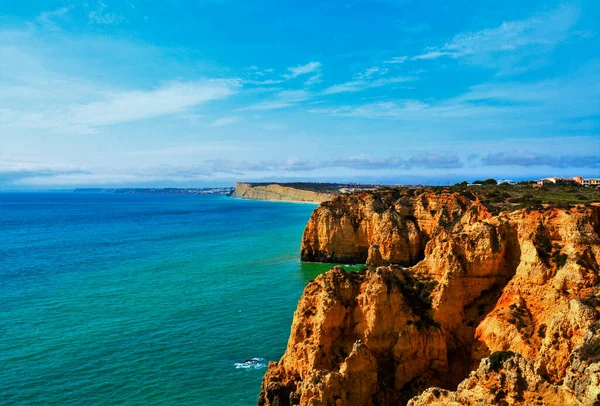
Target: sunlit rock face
484, 309
380, 228
278, 193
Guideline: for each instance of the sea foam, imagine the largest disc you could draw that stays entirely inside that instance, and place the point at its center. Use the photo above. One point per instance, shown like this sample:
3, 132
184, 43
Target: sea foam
253, 363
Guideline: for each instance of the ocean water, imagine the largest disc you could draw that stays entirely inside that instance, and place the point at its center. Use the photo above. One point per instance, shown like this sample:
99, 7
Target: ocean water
133, 299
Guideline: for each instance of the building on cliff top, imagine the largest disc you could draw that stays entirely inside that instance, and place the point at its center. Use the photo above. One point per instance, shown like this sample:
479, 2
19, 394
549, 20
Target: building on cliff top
579, 180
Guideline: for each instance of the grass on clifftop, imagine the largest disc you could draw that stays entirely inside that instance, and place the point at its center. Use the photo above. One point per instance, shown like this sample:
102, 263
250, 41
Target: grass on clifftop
499, 198
333, 188
496, 197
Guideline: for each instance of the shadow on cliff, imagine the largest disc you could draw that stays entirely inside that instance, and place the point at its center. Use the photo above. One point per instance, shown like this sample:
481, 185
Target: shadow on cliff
461, 342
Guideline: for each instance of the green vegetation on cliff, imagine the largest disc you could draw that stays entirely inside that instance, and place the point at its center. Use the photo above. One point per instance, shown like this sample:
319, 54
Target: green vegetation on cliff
506, 197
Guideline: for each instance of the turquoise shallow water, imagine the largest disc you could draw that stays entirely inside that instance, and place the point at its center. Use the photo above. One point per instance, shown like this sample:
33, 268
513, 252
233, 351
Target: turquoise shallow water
144, 299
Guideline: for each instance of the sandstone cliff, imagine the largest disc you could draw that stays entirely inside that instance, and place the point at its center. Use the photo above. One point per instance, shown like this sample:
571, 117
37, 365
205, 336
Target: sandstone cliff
489, 309
279, 192
384, 227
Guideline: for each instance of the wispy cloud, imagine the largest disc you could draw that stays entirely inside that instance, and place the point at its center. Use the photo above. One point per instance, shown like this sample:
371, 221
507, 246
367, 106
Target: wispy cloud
14, 170
134, 105
265, 82
313, 80
299, 70
435, 55
575, 97
436, 160
282, 99
357, 162
399, 109
363, 84
18, 173
222, 121
534, 159
101, 15
536, 34
397, 59
372, 71
258, 76
123, 106
367, 162
50, 19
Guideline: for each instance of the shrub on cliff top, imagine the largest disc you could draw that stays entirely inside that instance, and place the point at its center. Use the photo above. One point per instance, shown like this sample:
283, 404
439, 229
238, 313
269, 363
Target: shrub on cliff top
497, 358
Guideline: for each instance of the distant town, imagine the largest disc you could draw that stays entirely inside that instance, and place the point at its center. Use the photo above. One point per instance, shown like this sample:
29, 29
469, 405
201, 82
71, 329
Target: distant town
340, 188
162, 191
577, 180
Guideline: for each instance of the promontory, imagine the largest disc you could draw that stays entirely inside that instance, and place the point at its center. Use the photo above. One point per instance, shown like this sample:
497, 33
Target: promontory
295, 192
468, 297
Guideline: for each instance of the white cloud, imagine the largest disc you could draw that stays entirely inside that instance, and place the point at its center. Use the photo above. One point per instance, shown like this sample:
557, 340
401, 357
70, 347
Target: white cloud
116, 107
397, 59
283, 99
135, 105
222, 121
101, 16
538, 33
263, 82
348, 87
313, 80
376, 110
14, 170
49, 19
540, 105
27, 174
373, 71
435, 55
303, 69
35, 97
255, 70
359, 85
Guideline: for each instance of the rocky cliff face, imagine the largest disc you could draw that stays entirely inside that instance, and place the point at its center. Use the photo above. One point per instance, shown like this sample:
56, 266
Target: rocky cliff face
278, 192
487, 310
384, 227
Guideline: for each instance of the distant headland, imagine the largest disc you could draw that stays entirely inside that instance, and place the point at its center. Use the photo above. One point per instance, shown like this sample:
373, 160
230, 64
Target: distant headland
297, 192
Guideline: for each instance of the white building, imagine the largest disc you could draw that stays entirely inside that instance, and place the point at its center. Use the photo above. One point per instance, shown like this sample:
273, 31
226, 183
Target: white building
590, 182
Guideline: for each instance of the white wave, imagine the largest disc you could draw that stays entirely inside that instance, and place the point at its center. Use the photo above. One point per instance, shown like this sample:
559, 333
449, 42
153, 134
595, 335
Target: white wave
253, 363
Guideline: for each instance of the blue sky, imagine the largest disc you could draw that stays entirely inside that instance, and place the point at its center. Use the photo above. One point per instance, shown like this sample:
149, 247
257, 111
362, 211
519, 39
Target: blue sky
208, 92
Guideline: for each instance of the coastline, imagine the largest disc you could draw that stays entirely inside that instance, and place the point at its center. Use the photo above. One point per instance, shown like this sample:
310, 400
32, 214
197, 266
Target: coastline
217, 248
275, 201
293, 193
460, 291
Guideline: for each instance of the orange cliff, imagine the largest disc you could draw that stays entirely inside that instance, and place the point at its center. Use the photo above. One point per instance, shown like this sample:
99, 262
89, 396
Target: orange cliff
485, 309
383, 227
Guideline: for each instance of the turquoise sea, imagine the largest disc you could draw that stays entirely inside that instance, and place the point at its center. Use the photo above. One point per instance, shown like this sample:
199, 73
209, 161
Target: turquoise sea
136, 299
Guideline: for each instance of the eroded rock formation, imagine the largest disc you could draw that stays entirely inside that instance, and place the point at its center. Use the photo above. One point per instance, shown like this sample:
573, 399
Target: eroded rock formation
488, 309
382, 227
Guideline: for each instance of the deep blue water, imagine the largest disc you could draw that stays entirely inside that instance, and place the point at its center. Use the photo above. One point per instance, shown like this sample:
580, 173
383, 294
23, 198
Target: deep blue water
144, 299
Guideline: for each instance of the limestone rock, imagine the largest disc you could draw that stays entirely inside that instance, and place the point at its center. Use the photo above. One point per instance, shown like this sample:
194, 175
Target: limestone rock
278, 192
356, 339
524, 285
502, 379
380, 228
